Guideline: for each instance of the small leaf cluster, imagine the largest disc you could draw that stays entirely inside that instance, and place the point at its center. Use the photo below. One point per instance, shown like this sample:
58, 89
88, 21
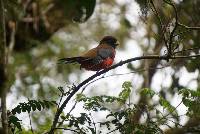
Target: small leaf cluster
164, 103
81, 124
31, 105
122, 120
96, 102
191, 99
148, 128
13, 120
125, 93
148, 92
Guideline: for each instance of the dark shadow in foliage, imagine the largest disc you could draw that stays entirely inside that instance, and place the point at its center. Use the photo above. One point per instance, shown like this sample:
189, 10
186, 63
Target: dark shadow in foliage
39, 20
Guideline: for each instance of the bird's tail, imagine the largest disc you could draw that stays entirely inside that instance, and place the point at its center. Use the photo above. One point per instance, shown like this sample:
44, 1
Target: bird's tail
72, 60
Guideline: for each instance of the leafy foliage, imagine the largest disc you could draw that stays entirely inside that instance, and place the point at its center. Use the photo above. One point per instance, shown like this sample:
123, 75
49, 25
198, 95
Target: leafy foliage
125, 93
191, 99
29, 106
147, 91
13, 120
14, 11
32, 105
82, 124
166, 105
121, 119
94, 103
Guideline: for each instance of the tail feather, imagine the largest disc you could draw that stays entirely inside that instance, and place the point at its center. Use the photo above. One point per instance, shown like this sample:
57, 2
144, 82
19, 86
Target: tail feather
72, 60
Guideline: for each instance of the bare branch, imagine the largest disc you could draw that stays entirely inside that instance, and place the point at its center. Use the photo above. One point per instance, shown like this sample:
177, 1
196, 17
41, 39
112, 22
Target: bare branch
188, 27
156, 13
185, 50
174, 29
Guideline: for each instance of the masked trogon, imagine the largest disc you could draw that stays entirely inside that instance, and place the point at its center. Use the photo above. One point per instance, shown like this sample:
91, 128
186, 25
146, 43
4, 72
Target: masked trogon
98, 58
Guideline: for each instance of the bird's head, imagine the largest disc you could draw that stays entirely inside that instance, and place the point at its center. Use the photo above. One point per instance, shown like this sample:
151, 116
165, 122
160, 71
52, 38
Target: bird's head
110, 40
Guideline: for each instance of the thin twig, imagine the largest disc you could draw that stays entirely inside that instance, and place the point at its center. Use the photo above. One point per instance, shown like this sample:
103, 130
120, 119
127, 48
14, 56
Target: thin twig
94, 124
174, 29
60, 100
30, 121
156, 12
165, 116
188, 27
163, 27
182, 32
185, 50
67, 129
175, 123
44, 16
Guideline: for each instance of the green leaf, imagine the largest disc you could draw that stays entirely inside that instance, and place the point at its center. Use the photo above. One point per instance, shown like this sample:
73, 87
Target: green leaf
147, 91
62, 117
184, 92
53, 103
15, 121
47, 105
42, 104
24, 107
81, 97
109, 115
16, 110
163, 102
38, 106
125, 93
32, 105
61, 89
92, 130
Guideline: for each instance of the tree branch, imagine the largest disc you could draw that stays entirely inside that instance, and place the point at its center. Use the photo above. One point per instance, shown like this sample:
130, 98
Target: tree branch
174, 29
12, 27
3, 71
188, 27
76, 88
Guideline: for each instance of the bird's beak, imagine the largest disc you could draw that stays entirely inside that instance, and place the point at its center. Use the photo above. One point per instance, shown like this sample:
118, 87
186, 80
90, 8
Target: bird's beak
117, 43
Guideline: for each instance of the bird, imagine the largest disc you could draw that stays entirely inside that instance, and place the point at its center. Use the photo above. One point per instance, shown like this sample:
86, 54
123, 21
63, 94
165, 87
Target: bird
98, 58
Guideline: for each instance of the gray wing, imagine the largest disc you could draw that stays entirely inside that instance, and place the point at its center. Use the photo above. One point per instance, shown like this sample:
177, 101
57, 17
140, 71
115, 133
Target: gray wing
104, 53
